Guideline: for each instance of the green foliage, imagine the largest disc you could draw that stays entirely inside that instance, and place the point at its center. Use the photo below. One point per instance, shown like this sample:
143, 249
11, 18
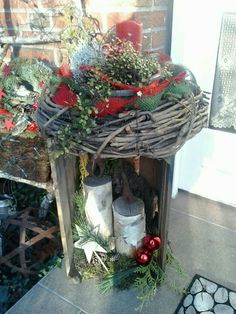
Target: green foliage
32, 71
26, 195
124, 64
149, 277
80, 125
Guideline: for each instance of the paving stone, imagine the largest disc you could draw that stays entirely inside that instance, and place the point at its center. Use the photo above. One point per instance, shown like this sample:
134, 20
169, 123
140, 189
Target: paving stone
39, 301
190, 310
203, 302
232, 299
188, 300
209, 286
223, 309
221, 295
208, 312
181, 310
196, 287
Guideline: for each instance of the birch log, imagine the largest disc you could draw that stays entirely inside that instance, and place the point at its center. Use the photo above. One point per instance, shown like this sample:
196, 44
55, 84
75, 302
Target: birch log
98, 204
129, 225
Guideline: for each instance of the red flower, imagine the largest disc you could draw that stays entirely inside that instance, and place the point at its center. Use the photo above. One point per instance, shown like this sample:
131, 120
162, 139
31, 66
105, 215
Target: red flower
40, 84
151, 242
64, 96
143, 255
6, 70
136, 106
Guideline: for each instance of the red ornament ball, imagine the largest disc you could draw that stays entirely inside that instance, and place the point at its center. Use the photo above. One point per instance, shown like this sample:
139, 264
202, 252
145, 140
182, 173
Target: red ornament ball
143, 255
151, 242
32, 127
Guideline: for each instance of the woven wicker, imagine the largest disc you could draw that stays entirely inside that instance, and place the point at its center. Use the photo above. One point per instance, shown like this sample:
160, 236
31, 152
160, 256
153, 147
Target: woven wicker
25, 158
155, 134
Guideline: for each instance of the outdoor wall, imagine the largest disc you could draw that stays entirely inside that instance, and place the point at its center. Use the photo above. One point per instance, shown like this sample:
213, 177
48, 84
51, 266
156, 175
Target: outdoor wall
31, 18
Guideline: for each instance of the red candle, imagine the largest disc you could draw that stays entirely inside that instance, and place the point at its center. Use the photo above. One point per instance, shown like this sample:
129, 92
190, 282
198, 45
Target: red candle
131, 31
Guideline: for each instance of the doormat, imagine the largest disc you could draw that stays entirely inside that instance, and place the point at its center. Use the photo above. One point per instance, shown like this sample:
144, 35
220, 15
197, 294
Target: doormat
205, 296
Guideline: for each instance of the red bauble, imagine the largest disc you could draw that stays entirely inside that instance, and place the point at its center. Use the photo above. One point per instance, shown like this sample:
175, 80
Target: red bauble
147, 239
142, 255
32, 127
151, 242
157, 241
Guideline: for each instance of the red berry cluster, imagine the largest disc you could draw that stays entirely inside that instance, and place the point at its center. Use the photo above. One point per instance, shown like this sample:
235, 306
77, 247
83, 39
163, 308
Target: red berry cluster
144, 254
64, 96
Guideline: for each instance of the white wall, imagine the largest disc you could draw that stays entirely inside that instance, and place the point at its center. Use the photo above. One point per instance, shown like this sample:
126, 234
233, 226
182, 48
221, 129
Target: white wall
207, 164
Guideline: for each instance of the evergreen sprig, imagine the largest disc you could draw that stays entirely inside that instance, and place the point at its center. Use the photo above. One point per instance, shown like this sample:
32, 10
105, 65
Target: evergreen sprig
148, 279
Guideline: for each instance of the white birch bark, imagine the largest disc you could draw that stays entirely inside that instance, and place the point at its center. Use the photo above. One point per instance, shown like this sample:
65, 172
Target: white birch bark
129, 225
98, 204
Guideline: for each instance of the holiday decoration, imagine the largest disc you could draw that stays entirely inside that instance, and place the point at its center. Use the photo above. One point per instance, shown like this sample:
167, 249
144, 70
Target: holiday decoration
21, 83
32, 127
152, 242
89, 247
98, 196
143, 255
131, 31
64, 96
8, 124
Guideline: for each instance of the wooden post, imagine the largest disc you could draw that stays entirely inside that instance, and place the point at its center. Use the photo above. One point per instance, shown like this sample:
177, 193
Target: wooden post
159, 174
167, 168
64, 176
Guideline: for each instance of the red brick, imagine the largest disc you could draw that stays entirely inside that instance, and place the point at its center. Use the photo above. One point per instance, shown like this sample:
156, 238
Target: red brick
37, 53
9, 19
158, 39
147, 41
58, 22
151, 19
18, 4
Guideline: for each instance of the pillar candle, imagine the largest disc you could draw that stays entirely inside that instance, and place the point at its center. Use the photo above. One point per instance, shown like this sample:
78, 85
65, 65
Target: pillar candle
131, 31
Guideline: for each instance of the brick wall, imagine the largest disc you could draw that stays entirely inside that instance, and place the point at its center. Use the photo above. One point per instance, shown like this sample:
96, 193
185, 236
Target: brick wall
153, 14
29, 17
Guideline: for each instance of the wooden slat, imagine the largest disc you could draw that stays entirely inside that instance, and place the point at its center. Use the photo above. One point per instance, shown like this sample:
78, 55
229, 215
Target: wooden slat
159, 174
64, 186
41, 185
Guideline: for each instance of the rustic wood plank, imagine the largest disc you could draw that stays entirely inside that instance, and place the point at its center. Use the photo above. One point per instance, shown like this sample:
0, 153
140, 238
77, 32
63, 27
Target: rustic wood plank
167, 168
41, 185
159, 174
64, 187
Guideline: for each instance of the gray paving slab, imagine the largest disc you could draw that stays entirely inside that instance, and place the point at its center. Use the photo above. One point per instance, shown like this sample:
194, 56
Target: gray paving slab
88, 297
41, 301
206, 209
